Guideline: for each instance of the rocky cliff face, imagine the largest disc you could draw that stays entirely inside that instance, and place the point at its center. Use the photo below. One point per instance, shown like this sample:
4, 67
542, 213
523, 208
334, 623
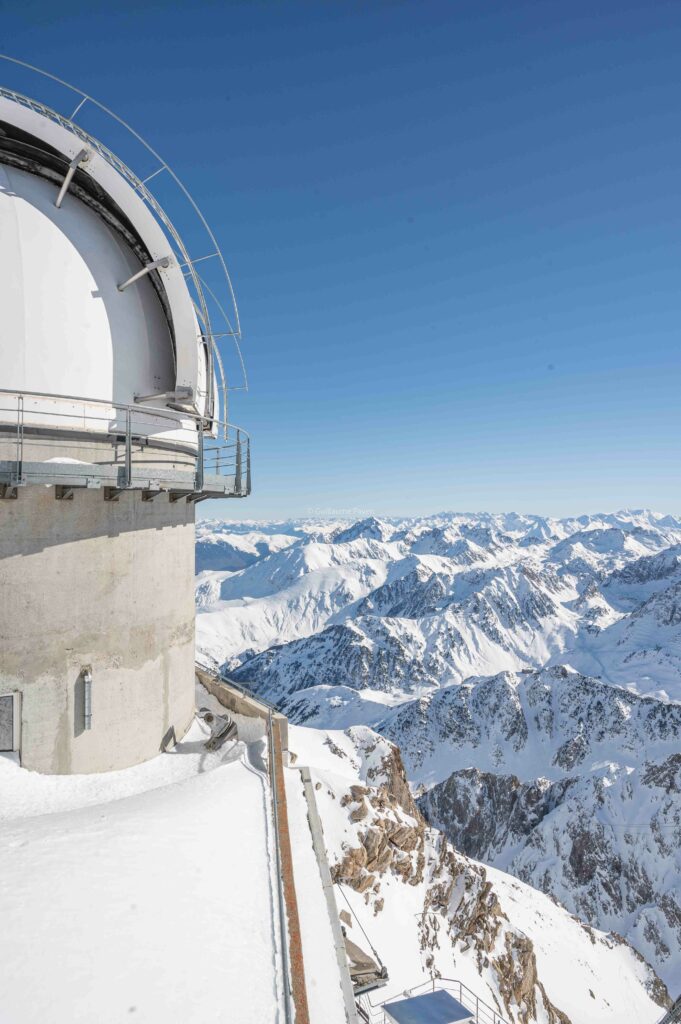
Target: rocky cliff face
603, 835
473, 920
409, 877
485, 813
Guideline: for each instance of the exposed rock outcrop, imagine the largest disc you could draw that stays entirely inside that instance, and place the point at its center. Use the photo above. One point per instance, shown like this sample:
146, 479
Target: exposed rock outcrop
459, 901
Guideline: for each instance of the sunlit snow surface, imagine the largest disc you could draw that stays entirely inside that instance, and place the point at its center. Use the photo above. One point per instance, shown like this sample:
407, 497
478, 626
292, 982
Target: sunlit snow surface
591, 977
514, 646
140, 895
322, 973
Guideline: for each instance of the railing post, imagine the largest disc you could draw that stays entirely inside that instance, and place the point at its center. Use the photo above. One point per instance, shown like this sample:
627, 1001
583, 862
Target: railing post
19, 468
237, 475
128, 447
248, 465
199, 459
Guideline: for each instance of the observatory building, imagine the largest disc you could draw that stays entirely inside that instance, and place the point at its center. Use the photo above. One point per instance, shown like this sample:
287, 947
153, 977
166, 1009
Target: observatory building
112, 428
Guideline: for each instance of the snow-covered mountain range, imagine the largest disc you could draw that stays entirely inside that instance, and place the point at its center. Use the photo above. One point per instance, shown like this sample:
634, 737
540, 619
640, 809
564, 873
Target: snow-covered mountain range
529, 669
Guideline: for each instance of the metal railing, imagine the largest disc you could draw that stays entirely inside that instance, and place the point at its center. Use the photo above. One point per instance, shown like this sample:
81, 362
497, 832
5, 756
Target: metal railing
673, 1014
270, 710
289, 1010
270, 705
128, 446
483, 1013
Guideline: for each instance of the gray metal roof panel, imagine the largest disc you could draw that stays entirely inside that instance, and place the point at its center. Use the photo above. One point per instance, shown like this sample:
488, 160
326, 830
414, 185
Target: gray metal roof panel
437, 1007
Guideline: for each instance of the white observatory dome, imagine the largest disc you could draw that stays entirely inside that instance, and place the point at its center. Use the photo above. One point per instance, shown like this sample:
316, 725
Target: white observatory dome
65, 326
112, 427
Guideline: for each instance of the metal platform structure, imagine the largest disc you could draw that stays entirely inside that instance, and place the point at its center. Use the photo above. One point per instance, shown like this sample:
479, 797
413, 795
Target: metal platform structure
479, 1012
177, 440
113, 449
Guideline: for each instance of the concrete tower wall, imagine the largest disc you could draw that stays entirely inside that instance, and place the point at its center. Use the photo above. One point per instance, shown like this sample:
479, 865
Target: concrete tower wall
88, 582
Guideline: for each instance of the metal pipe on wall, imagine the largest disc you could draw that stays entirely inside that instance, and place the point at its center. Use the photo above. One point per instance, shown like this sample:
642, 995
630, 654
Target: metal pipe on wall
87, 697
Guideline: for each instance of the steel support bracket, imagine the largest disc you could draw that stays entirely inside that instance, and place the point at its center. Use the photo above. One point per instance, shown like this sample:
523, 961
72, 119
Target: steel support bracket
81, 158
161, 264
63, 493
8, 491
112, 493
181, 394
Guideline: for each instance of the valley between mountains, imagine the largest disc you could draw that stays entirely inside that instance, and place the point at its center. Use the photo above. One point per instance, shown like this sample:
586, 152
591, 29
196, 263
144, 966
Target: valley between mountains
527, 668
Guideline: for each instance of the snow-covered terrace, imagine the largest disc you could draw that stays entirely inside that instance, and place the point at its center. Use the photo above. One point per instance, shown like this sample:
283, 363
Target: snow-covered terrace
142, 895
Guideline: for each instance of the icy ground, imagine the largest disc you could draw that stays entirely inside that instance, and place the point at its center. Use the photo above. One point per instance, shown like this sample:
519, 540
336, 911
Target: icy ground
143, 895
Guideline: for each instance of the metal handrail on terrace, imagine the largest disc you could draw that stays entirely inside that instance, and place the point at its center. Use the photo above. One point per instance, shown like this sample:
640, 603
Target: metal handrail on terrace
27, 418
374, 1013
272, 710
250, 694
244, 691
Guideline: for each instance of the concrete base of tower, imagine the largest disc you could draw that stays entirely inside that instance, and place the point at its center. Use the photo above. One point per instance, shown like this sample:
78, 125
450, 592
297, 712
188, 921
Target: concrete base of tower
96, 628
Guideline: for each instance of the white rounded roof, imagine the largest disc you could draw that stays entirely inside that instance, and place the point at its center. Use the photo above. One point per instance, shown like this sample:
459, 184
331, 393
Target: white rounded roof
65, 328
61, 136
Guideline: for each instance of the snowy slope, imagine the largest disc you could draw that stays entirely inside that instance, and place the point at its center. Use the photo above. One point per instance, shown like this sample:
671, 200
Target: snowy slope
322, 974
286, 595
222, 550
424, 908
544, 654
550, 723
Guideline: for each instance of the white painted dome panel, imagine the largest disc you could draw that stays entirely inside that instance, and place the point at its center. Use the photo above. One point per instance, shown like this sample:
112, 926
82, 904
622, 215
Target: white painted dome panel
65, 328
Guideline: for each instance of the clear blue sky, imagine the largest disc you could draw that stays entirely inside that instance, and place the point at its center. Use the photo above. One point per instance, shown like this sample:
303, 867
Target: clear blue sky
454, 229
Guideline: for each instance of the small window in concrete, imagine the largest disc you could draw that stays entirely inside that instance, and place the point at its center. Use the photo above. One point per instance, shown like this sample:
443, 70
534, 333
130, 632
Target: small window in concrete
9, 721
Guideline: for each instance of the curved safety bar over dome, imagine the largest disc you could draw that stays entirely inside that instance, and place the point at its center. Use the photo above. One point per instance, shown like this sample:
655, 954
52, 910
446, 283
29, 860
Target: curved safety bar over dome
56, 181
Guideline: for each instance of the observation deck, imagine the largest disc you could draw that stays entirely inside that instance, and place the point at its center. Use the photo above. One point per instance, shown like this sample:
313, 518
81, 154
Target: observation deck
113, 318
73, 443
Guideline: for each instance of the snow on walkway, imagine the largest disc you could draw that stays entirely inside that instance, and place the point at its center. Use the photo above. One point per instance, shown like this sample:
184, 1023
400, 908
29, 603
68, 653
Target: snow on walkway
322, 976
150, 907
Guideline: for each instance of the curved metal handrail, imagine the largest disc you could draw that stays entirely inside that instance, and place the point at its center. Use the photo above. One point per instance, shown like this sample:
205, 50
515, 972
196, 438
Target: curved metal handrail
212, 456
176, 415
139, 185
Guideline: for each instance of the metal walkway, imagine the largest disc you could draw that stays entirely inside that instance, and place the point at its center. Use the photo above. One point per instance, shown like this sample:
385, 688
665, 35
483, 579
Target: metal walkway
481, 1012
115, 447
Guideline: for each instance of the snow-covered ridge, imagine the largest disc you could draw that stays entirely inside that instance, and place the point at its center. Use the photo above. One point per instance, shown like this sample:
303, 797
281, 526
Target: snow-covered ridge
523, 662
